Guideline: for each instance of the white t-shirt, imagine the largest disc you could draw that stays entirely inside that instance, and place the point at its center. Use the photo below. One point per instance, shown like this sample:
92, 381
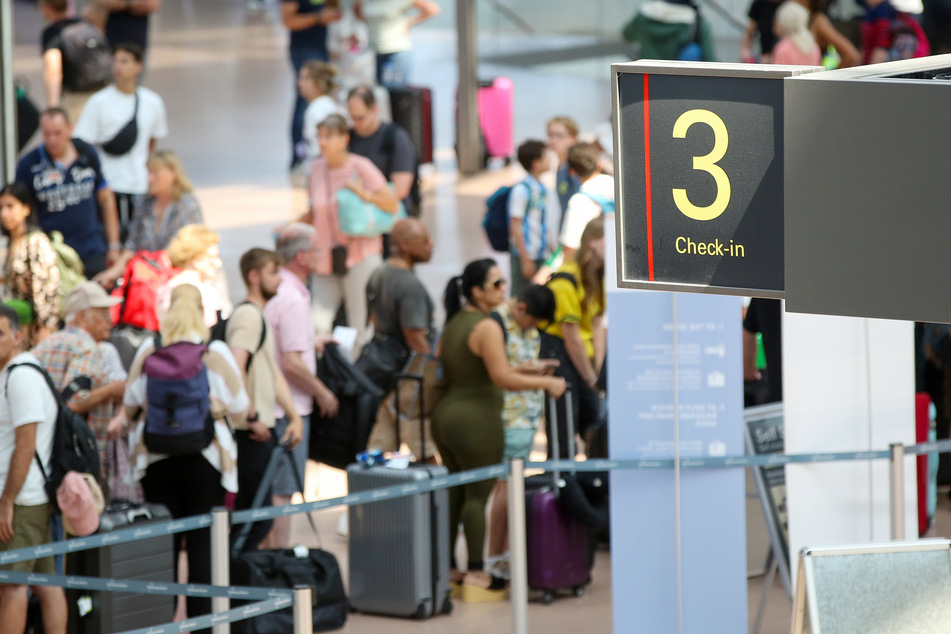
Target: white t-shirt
317, 110
104, 115
388, 22
32, 402
527, 203
582, 210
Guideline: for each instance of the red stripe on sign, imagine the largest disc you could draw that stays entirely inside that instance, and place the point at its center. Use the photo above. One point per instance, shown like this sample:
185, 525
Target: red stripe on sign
647, 180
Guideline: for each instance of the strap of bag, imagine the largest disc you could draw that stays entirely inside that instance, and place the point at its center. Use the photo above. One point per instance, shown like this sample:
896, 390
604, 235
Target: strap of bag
266, 481
388, 147
56, 397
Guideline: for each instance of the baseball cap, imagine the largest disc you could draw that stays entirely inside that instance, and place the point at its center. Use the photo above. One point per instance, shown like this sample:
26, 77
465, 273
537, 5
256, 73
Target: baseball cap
81, 501
88, 295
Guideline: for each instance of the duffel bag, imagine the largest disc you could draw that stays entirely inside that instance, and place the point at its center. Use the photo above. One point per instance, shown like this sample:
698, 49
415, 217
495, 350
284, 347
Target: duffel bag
284, 569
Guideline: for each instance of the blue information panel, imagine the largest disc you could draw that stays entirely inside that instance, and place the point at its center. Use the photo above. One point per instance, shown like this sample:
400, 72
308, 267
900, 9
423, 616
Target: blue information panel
682, 559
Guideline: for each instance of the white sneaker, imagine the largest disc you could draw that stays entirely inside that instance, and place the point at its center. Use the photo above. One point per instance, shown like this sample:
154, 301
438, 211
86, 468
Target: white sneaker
343, 525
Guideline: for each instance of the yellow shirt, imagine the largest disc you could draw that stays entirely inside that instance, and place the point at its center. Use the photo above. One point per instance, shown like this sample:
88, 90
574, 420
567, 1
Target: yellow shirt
569, 300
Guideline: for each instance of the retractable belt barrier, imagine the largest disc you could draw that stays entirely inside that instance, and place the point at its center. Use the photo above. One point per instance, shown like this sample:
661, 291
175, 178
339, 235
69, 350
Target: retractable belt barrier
270, 600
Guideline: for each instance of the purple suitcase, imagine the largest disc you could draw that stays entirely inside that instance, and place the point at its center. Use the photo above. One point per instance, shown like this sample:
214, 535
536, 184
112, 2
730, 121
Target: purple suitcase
559, 546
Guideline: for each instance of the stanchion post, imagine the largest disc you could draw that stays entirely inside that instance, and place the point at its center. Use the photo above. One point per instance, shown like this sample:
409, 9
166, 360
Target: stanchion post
220, 564
518, 544
896, 482
303, 610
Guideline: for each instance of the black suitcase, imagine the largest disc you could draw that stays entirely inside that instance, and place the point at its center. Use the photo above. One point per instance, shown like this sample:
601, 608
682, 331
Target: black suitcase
149, 559
413, 111
315, 568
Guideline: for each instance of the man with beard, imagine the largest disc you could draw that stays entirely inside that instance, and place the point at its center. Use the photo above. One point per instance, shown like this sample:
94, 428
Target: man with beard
251, 340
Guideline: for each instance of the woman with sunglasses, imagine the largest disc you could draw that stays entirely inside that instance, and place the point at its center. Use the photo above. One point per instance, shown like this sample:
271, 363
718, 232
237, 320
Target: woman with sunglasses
467, 423
32, 278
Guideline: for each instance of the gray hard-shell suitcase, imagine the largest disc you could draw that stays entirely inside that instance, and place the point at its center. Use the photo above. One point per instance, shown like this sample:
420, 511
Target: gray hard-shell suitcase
399, 549
149, 559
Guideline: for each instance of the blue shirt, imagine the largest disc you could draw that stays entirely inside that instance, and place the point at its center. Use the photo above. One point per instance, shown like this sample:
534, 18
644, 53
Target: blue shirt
66, 196
568, 185
312, 37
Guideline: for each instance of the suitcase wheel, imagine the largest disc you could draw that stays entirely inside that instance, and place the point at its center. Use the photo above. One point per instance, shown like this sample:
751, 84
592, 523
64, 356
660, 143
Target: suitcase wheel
578, 591
446, 606
548, 597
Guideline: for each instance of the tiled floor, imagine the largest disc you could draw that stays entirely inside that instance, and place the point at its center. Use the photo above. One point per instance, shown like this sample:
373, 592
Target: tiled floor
227, 86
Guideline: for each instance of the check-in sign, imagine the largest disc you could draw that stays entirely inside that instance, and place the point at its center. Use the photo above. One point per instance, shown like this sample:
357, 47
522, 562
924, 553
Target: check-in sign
699, 172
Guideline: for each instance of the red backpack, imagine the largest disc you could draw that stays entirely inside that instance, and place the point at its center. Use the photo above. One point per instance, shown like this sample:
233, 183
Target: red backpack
145, 273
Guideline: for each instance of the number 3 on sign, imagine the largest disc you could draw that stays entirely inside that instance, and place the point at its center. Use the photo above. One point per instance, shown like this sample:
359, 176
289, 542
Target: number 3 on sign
706, 163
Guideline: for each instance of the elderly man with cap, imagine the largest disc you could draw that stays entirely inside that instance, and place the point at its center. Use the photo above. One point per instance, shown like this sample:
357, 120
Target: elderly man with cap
82, 350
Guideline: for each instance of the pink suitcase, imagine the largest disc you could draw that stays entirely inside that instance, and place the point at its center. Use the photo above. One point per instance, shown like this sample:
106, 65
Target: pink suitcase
559, 545
496, 103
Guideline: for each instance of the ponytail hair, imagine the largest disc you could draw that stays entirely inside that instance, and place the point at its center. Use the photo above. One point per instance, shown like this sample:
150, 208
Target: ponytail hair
460, 287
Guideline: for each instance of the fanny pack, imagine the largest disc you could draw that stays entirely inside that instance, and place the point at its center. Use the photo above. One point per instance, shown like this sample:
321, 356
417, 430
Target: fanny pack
125, 138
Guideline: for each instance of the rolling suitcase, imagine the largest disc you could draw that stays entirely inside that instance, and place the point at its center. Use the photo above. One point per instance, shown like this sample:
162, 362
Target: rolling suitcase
496, 104
559, 545
149, 559
399, 549
412, 108
286, 569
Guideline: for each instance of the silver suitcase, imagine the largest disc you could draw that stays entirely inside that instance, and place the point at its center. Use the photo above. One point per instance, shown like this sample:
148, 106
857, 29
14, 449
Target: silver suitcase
399, 549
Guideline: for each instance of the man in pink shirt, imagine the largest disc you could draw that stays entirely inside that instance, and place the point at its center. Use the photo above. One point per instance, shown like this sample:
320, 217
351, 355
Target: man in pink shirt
288, 312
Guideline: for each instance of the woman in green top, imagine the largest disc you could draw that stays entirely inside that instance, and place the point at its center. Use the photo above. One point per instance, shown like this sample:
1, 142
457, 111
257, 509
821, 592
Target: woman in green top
467, 423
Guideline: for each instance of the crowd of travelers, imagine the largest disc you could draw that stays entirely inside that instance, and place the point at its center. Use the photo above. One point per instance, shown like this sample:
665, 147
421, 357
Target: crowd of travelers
97, 203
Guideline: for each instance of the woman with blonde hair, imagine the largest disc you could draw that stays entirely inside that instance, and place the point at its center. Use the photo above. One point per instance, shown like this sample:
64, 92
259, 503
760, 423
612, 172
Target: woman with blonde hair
316, 83
796, 45
194, 250
576, 336
170, 205
190, 483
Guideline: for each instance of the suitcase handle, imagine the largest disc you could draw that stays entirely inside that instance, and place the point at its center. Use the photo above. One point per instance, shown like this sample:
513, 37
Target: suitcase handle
569, 424
136, 514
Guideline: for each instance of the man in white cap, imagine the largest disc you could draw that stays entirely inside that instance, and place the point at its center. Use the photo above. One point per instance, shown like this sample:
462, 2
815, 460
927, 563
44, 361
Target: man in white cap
82, 350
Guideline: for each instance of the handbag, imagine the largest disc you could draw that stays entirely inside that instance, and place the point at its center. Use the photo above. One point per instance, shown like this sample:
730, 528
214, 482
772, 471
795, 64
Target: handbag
364, 219
125, 138
119, 482
336, 441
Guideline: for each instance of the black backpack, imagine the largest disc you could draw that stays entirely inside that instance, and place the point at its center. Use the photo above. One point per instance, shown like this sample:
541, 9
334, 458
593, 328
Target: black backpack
219, 332
74, 444
87, 57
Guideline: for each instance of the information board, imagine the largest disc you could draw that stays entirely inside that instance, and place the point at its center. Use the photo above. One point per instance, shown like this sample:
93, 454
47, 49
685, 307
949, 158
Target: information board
699, 169
764, 435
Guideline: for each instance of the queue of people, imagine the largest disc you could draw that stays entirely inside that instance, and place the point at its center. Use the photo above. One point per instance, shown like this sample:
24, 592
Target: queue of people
112, 194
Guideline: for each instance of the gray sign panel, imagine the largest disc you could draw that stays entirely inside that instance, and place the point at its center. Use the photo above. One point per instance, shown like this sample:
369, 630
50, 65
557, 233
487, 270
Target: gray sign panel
868, 207
699, 169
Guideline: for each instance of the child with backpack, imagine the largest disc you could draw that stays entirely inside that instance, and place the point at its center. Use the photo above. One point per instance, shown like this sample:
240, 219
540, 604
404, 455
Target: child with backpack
528, 230
183, 449
515, 220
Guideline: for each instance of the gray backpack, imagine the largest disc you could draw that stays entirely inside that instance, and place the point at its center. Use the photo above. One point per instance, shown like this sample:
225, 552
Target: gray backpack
87, 57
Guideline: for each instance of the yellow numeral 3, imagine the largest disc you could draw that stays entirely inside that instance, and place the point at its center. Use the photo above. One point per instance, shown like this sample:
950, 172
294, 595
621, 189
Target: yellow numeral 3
706, 163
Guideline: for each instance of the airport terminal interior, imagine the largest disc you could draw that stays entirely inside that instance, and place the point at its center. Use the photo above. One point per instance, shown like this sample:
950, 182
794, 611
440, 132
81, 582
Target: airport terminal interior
222, 68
